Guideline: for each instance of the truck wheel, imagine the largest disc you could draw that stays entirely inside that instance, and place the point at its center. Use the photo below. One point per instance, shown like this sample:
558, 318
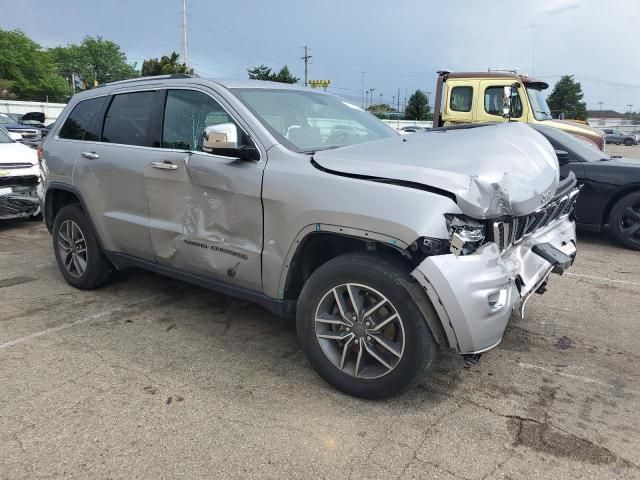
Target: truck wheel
624, 220
79, 257
628, 142
360, 329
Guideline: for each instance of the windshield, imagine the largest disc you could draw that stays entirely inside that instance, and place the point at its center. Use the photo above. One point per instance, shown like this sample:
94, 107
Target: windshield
538, 104
6, 119
308, 122
4, 137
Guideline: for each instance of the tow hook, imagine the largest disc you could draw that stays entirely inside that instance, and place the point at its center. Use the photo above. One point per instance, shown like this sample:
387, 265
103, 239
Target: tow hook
471, 359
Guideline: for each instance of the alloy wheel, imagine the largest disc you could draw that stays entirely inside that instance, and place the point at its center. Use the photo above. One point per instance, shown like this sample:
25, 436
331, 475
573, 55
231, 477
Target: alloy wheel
360, 331
630, 222
72, 247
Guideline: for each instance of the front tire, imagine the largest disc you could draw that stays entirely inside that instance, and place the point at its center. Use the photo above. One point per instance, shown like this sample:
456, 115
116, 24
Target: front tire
78, 255
624, 220
361, 329
628, 142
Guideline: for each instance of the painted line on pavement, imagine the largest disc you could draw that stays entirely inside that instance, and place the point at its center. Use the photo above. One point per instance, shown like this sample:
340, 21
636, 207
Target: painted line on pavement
602, 279
90, 318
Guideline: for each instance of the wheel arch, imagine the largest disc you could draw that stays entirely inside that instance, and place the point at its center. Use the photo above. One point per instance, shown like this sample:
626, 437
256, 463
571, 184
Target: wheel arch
315, 248
59, 195
615, 198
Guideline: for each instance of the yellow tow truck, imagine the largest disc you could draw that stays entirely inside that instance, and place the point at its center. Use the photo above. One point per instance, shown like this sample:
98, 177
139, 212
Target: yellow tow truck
500, 96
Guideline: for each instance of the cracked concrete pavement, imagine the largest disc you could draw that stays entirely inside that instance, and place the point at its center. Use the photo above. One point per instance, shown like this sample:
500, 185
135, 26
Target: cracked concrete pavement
153, 378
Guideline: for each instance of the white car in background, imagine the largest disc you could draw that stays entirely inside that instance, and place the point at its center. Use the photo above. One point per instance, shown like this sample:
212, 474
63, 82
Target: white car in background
19, 178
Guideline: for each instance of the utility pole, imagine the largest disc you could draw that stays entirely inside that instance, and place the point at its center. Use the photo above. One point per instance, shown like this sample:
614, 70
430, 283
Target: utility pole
364, 95
630, 107
398, 111
380, 99
600, 103
185, 51
371, 90
306, 61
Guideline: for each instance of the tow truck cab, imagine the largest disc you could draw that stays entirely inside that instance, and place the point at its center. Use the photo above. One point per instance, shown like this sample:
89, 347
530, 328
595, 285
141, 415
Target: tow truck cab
479, 97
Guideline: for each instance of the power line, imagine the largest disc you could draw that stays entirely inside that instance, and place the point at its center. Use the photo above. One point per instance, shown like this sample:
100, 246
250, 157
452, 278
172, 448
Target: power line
238, 35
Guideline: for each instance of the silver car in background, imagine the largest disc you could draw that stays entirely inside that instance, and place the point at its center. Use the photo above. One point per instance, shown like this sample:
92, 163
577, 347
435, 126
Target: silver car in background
387, 248
613, 135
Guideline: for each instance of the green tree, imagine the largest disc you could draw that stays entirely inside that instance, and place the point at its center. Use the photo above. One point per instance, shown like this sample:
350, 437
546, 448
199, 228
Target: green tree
260, 73
164, 66
263, 72
285, 76
566, 98
95, 60
418, 107
28, 72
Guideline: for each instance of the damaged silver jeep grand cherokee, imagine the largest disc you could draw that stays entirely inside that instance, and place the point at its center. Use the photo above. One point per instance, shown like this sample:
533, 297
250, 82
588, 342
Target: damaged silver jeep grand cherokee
387, 248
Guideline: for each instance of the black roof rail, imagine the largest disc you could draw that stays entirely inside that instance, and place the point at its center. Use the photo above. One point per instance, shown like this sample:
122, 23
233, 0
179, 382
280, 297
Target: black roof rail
183, 75
147, 79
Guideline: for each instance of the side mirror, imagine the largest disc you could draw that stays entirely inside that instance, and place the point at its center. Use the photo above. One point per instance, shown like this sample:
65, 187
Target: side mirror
506, 102
219, 137
222, 140
15, 136
563, 156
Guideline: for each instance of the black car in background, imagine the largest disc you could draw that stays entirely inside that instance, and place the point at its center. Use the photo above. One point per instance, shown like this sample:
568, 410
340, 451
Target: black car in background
610, 195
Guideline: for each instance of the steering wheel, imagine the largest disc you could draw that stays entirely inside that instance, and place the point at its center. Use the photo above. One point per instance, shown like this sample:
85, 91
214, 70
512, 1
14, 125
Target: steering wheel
290, 129
337, 137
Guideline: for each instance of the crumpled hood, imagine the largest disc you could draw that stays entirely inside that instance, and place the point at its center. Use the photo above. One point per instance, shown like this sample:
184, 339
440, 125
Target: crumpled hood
505, 169
17, 153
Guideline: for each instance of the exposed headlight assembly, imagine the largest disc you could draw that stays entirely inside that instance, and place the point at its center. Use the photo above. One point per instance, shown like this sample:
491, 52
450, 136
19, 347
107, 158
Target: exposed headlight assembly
465, 234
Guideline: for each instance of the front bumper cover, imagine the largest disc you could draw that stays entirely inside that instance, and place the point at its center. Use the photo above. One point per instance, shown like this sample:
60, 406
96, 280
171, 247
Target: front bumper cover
474, 295
18, 202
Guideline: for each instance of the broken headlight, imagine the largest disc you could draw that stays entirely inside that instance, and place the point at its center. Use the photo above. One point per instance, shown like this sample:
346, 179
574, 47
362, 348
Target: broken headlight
465, 234
427, 246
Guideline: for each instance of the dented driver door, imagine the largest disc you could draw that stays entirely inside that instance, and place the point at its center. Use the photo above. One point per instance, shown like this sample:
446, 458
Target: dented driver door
205, 210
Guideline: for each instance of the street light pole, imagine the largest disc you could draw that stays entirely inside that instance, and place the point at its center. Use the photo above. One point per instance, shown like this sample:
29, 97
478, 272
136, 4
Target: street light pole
185, 51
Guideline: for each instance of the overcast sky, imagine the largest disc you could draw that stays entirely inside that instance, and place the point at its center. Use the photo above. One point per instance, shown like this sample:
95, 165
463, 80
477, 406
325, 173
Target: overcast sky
398, 44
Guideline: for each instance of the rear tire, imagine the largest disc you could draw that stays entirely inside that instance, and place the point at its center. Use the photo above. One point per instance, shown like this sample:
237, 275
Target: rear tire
624, 220
78, 255
404, 346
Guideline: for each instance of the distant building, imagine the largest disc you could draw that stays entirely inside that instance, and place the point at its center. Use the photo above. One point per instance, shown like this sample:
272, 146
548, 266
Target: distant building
608, 118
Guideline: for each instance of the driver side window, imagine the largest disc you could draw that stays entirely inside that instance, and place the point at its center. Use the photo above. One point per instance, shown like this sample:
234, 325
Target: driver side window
186, 115
494, 102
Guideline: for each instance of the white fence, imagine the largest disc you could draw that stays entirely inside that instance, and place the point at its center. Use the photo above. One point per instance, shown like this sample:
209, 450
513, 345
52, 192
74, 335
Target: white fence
50, 110
400, 124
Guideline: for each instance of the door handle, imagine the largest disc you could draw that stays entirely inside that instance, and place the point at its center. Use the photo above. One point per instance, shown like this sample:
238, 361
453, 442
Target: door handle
90, 155
166, 165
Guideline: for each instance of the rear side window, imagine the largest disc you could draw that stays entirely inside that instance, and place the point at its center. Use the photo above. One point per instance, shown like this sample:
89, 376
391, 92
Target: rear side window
461, 98
81, 124
127, 119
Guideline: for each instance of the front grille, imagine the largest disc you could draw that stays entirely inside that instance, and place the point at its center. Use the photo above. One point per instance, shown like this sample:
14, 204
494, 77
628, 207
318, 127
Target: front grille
15, 204
26, 133
509, 231
24, 181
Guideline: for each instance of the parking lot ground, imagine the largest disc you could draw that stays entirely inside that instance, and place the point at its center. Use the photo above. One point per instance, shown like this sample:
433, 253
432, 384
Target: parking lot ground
153, 378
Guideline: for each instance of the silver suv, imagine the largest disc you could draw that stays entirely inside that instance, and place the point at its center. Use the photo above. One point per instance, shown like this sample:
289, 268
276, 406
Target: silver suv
387, 248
